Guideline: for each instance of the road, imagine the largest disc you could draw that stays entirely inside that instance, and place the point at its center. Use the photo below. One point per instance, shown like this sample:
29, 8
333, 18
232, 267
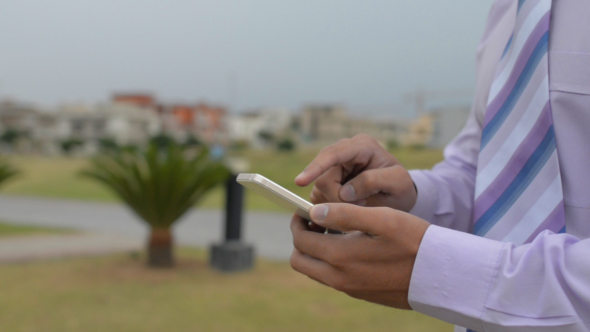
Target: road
268, 232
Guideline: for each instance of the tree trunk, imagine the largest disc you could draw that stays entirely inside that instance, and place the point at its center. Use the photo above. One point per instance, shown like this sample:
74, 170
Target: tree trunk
160, 252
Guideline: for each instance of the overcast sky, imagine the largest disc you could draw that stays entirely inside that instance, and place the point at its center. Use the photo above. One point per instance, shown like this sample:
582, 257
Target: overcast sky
276, 52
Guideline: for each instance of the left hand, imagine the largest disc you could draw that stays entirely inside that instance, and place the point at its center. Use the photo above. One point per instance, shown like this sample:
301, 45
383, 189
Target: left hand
372, 261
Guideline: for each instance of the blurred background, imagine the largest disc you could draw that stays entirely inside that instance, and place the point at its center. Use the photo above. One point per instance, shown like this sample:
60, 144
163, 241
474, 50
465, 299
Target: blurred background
122, 124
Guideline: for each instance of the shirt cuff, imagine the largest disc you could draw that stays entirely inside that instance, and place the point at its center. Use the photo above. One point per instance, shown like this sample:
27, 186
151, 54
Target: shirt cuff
427, 199
452, 276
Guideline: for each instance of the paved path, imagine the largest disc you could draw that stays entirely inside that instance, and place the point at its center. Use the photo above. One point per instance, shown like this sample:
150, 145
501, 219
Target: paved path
41, 247
269, 232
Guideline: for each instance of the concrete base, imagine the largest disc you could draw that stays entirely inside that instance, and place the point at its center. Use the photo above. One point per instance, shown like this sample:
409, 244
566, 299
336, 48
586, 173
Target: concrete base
231, 256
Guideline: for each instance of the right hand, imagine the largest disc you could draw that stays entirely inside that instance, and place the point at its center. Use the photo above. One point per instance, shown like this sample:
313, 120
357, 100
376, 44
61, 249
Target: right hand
358, 170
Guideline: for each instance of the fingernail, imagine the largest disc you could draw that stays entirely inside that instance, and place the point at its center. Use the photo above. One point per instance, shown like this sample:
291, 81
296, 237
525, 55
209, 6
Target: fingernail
362, 203
319, 212
347, 193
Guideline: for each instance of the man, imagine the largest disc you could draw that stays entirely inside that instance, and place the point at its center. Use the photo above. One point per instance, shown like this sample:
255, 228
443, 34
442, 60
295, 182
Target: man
497, 236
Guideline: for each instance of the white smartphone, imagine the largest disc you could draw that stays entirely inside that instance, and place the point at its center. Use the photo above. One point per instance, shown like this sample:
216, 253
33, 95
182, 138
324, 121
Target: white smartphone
276, 193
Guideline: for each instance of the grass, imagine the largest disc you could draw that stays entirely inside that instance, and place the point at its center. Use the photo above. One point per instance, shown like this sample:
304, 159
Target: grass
58, 177
7, 229
117, 293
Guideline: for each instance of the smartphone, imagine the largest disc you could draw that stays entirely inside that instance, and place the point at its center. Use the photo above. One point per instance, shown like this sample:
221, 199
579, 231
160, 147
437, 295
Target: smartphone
276, 193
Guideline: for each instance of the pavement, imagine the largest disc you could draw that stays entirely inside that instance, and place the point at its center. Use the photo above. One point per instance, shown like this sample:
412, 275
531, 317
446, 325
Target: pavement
107, 228
27, 248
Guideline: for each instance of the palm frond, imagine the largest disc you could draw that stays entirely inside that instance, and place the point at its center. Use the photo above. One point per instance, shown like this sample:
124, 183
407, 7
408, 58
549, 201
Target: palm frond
159, 185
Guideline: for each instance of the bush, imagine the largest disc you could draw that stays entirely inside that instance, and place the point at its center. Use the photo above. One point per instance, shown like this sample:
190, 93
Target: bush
68, 146
192, 142
10, 136
266, 136
286, 144
239, 145
162, 141
108, 144
392, 144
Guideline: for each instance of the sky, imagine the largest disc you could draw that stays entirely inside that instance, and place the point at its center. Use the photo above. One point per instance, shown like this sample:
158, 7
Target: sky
241, 54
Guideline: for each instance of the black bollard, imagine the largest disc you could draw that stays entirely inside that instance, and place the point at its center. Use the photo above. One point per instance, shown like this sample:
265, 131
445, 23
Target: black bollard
232, 255
234, 204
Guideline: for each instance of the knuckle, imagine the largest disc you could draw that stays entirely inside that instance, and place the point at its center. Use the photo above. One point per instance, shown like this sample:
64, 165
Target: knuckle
334, 257
297, 243
321, 183
370, 180
365, 138
343, 141
294, 262
327, 150
390, 224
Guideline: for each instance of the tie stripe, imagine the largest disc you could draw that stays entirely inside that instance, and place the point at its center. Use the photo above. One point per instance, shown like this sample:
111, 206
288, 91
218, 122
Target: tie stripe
514, 129
526, 202
525, 27
511, 94
500, 181
526, 175
518, 186
518, 190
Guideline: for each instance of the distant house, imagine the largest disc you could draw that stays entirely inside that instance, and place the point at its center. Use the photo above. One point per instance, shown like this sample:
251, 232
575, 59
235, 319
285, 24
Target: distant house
179, 120
210, 122
24, 128
142, 100
437, 127
447, 122
125, 124
418, 132
18, 117
204, 121
251, 127
325, 124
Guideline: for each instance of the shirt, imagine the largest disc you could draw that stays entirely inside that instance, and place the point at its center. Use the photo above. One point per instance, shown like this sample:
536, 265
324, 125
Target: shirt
488, 285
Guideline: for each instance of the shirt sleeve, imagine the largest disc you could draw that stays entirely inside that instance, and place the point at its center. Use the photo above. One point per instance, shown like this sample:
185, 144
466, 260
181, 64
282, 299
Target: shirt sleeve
445, 193
487, 285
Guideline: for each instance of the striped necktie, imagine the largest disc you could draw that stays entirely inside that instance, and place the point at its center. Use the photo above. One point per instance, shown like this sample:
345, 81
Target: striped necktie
518, 191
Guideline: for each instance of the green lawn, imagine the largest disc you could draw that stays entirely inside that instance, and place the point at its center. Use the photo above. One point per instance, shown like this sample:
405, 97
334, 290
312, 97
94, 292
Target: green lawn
117, 293
57, 177
7, 229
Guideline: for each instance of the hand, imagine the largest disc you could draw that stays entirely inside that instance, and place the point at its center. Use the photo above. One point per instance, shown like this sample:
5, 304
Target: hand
372, 261
360, 171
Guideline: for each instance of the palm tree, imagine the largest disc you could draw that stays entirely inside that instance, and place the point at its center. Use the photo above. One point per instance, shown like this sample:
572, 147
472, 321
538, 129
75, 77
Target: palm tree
160, 185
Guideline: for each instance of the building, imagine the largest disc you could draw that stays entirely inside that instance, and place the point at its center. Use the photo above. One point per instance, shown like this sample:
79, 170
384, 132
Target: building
206, 122
24, 128
180, 120
418, 132
325, 124
250, 127
210, 123
123, 123
447, 122
438, 127
17, 117
142, 100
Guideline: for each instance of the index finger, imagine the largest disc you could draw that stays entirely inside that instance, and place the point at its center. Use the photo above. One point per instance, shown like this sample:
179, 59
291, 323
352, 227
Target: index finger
333, 155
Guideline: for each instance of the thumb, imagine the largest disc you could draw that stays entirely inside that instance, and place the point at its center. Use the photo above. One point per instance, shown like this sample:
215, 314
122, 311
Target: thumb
371, 182
348, 217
